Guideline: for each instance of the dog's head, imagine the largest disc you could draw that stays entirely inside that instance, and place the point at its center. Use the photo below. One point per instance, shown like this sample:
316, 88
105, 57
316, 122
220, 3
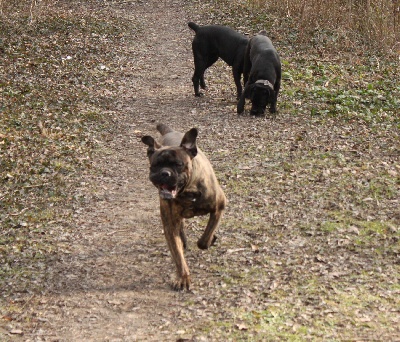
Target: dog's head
171, 166
260, 93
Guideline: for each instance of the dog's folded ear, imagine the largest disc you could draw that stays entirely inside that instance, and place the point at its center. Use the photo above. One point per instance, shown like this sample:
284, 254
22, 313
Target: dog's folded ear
153, 145
148, 140
189, 142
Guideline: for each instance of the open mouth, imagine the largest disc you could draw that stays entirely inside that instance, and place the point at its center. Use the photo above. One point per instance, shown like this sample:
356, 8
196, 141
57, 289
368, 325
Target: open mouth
257, 112
167, 191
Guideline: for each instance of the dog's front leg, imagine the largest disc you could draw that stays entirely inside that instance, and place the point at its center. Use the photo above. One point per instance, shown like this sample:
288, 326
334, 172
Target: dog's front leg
240, 105
276, 91
208, 238
173, 229
237, 76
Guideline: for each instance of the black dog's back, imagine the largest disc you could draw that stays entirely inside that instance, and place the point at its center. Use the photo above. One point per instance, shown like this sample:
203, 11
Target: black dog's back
264, 59
261, 43
223, 41
212, 42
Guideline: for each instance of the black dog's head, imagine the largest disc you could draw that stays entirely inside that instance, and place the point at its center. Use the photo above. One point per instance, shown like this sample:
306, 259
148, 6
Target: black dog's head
171, 166
260, 94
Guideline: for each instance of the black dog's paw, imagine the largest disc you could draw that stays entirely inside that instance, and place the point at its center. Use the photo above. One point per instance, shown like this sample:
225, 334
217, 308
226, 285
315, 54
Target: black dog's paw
240, 110
199, 95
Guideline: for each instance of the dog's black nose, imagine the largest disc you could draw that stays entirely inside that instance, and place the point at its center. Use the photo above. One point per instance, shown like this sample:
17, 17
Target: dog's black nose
165, 173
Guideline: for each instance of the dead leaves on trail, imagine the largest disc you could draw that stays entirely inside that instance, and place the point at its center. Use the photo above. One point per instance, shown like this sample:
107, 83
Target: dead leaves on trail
55, 91
309, 245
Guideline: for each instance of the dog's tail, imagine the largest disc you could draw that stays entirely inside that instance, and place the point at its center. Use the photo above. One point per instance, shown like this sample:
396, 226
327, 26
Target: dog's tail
164, 129
193, 26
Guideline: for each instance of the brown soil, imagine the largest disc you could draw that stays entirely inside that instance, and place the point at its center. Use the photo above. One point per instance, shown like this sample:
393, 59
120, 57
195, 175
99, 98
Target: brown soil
111, 279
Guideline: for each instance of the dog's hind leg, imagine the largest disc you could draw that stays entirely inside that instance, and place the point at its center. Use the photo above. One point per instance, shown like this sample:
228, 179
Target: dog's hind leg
201, 63
197, 79
200, 66
211, 59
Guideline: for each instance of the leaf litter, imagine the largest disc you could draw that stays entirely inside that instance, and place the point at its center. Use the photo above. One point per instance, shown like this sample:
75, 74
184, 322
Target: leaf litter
308, 247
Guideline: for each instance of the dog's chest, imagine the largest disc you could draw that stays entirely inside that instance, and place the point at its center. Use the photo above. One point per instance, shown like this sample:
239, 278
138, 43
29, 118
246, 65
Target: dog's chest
192, 204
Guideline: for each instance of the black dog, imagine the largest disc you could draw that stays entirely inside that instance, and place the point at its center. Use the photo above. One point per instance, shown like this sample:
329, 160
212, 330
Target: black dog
262, 75
212, 42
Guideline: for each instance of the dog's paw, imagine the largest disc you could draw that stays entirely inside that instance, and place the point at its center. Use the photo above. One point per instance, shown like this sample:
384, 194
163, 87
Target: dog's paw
204, 245
199, 95
182, 284
240, 109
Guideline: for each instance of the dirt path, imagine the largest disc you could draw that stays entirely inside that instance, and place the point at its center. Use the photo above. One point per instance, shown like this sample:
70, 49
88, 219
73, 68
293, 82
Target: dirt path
112, 284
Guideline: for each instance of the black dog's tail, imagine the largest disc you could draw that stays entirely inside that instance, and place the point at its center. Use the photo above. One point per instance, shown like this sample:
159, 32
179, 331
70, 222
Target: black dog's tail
164, 129
193, 26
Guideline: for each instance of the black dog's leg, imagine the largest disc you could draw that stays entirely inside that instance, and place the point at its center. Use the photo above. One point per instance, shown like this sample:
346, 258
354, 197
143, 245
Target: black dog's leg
240, 105
237, 76
277, 86
197, 77
203, 82
211, 59
246, 65
200, 65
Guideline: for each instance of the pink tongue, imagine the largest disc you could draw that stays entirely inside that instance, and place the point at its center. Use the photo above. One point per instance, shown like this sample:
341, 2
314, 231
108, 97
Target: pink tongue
166, 188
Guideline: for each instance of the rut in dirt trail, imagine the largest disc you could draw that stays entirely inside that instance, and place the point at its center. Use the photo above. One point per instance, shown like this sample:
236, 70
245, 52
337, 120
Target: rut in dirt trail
114, 281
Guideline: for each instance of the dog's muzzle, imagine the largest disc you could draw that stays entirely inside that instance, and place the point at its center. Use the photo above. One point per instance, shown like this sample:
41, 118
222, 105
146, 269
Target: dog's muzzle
257, 111
166, 183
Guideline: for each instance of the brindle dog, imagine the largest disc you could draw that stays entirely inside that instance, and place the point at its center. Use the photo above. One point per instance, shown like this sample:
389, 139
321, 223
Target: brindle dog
187, 187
